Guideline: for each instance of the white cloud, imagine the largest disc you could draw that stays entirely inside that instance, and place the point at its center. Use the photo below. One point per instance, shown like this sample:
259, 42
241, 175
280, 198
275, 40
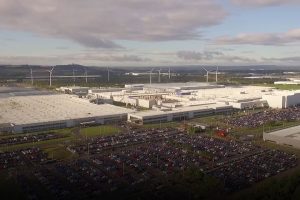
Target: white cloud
291, 36
171, 58
261, 3
213, 57
294, 59
80, 58
193, 55
98, 23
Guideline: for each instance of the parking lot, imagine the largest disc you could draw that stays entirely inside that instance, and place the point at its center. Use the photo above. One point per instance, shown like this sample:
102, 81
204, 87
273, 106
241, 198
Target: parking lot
24, 157
31, 138
259, 118
129, 163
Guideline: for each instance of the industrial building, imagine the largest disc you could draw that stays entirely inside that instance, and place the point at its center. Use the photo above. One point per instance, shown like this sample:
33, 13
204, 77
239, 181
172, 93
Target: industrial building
185, 94
289, 136
23, 114
173, 101
177, 87
183, 113
73, 90
282, 99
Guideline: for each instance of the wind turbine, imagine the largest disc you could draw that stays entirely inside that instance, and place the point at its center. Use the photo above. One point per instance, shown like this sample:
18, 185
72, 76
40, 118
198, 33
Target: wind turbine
50, 76
159, 75
207, 72
169, 73
31, 76
150, 73
108, 70
86, 75
217, 71
74, 76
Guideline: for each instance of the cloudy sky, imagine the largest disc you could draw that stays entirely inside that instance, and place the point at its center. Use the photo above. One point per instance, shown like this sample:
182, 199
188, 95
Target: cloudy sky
144, 32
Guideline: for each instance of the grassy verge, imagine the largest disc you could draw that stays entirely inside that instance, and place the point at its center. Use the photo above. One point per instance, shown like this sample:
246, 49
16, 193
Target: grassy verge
59, 153
58, 131
40, 144
281, 87
162, 125
99, 131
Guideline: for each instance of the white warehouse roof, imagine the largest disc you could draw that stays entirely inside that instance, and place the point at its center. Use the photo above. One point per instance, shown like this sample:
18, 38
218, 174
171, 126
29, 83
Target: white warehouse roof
46, 108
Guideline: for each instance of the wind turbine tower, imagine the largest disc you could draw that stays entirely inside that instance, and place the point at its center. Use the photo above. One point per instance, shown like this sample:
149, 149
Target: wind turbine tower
74, 76
50, 76
207, 73
159, 75
86, 75
31, 76
169, 73
108, 74
150, 72
217, 71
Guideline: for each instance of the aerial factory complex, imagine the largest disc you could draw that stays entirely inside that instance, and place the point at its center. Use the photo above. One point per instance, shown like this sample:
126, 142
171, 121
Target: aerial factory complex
159, 102
105, 142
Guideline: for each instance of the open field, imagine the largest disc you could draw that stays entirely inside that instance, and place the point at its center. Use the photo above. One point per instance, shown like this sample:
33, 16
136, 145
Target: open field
99, 131
282, 87
58, 152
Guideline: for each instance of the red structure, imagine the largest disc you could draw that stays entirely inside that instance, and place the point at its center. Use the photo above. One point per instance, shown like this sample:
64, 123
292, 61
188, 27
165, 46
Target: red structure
222, 133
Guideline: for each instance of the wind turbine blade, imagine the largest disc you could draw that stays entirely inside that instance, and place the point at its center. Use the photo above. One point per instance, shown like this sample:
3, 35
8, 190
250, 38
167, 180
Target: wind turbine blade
205, 69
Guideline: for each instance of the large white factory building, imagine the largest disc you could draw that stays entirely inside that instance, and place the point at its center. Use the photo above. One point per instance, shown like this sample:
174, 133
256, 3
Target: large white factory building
21, 114
175, 101
160, 103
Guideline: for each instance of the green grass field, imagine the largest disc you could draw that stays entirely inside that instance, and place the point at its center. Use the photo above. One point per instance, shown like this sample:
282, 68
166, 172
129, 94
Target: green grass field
282, 87
64, 131
95, 131
162, 125
59, 153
